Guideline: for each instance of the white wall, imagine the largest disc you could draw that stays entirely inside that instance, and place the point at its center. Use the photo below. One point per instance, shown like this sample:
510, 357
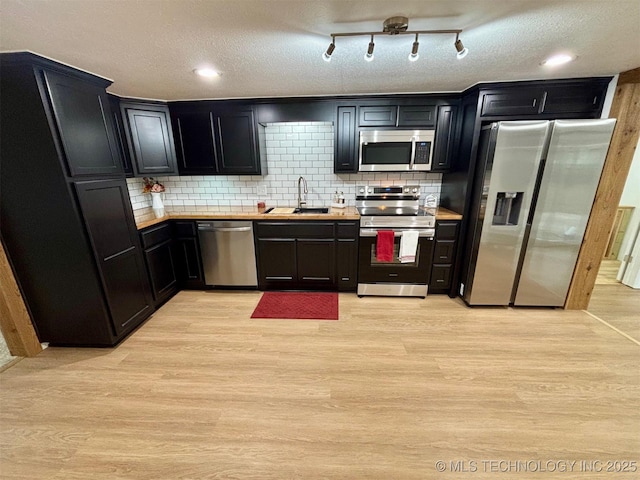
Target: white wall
292, 149
631, 198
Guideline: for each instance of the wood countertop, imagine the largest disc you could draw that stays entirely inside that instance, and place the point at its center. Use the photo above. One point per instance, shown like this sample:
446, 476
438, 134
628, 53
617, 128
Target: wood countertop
145, 218
446, 214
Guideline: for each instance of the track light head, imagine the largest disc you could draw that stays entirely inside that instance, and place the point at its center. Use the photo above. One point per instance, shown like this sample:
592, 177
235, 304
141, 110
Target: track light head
413, 56
326, 56
369, 55
462, 51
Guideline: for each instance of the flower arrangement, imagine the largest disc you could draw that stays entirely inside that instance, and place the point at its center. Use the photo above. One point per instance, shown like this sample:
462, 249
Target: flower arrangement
151, 185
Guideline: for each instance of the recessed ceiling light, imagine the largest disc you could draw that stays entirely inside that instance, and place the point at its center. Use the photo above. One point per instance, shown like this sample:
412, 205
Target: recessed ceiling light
556, 60
207, 72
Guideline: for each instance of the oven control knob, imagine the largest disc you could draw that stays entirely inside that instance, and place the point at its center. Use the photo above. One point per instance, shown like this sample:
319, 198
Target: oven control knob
362, 190
406, 190
415, 190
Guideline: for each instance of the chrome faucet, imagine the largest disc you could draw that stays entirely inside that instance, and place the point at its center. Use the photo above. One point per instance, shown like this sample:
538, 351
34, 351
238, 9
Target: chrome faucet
301, 202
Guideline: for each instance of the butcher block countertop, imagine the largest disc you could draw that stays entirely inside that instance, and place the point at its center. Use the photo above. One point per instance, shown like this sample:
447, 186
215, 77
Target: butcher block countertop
145, 218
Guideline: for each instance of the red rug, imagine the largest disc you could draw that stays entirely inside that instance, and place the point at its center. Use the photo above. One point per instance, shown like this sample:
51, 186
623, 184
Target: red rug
298, 305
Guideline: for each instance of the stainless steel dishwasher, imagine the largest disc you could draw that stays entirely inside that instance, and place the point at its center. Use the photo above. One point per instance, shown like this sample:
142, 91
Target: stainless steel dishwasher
228, 253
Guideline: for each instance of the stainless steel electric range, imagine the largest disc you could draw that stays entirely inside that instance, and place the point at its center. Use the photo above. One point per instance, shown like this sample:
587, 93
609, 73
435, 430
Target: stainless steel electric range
395, 208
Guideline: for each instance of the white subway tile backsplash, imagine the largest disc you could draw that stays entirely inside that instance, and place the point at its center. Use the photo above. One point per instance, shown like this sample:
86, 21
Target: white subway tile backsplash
293, 150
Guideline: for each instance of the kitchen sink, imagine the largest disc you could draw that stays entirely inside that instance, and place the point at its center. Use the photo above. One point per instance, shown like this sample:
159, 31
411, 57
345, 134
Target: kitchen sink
311, 210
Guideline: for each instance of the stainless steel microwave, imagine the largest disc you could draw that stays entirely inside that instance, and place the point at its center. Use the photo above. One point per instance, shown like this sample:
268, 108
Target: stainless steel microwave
395, 150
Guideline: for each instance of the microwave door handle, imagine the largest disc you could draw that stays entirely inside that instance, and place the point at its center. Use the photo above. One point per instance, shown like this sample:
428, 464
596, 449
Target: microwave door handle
413, 153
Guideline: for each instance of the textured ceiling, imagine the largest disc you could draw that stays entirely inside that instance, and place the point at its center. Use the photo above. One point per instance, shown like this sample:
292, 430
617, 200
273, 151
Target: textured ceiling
274, 47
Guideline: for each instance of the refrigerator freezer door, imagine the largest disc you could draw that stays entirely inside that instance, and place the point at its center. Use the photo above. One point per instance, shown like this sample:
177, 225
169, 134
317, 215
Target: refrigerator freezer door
577, 151
508, 185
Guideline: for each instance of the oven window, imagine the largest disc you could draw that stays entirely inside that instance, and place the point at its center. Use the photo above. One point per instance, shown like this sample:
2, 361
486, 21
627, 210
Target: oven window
396, 260
387, 153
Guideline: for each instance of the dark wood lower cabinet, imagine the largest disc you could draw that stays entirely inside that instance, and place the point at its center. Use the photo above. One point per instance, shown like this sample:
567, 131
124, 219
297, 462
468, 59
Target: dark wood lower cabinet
277, 264
307, 255
158, 255
109, 221
444, 254
187, 255
316, 263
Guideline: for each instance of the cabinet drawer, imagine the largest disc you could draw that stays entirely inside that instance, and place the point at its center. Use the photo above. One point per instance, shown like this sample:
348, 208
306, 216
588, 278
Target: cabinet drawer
417, 116
347, 229
527, 102
443, 251
440, 276
156, 234
184, 229
446, 230
383, 116
295, 230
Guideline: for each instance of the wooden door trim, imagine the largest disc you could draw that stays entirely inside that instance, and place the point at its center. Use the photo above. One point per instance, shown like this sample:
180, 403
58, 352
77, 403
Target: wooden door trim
626, 109
15, 321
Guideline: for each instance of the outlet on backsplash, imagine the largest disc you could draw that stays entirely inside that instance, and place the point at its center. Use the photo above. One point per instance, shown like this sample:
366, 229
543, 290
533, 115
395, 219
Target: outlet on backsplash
261, 190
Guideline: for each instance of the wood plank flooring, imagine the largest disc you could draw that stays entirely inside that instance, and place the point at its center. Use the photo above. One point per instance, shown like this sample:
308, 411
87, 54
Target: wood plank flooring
608, 272
618, 305
202, 391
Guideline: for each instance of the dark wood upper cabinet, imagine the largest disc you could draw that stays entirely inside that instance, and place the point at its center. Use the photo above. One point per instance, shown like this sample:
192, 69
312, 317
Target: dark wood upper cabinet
378, 116
346, 140
85, 126
521, 101
121, 136
236, 142
567, 99
445, 141
150, 138
217, 138
416, 116
564, 99
195, 145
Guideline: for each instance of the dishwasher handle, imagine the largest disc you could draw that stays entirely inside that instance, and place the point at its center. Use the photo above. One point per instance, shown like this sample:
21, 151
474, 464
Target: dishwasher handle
209, 228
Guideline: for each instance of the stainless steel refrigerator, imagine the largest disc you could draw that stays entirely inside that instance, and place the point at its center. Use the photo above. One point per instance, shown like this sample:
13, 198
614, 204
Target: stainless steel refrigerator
533, 191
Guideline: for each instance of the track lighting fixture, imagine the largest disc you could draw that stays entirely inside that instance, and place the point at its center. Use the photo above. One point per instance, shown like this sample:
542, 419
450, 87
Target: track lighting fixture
396, 26
413, 56
326, 56
369, 55
462, 52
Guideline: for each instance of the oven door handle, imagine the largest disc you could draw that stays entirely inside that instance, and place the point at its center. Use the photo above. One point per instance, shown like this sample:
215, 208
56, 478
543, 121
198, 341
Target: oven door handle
413, 152
366, 232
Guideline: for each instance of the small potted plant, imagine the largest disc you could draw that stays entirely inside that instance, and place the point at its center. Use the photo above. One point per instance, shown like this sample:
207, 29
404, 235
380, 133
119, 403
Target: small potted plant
156, 189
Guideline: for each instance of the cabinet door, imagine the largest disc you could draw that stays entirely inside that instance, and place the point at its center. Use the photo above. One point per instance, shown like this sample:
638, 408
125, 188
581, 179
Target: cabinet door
150, 140
523, 101
276, 263
347, 264
195, 146
236, 141
162, 273
316, 263
83, 116
572, 99
416, 116
113, 235
440, 277
445, 138
121, 136
443, 251
188, 263
378, 116
346, 141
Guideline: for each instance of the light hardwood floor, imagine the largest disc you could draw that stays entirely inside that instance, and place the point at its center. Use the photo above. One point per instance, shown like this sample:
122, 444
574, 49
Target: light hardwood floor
618, 305
608, 272
397, 384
